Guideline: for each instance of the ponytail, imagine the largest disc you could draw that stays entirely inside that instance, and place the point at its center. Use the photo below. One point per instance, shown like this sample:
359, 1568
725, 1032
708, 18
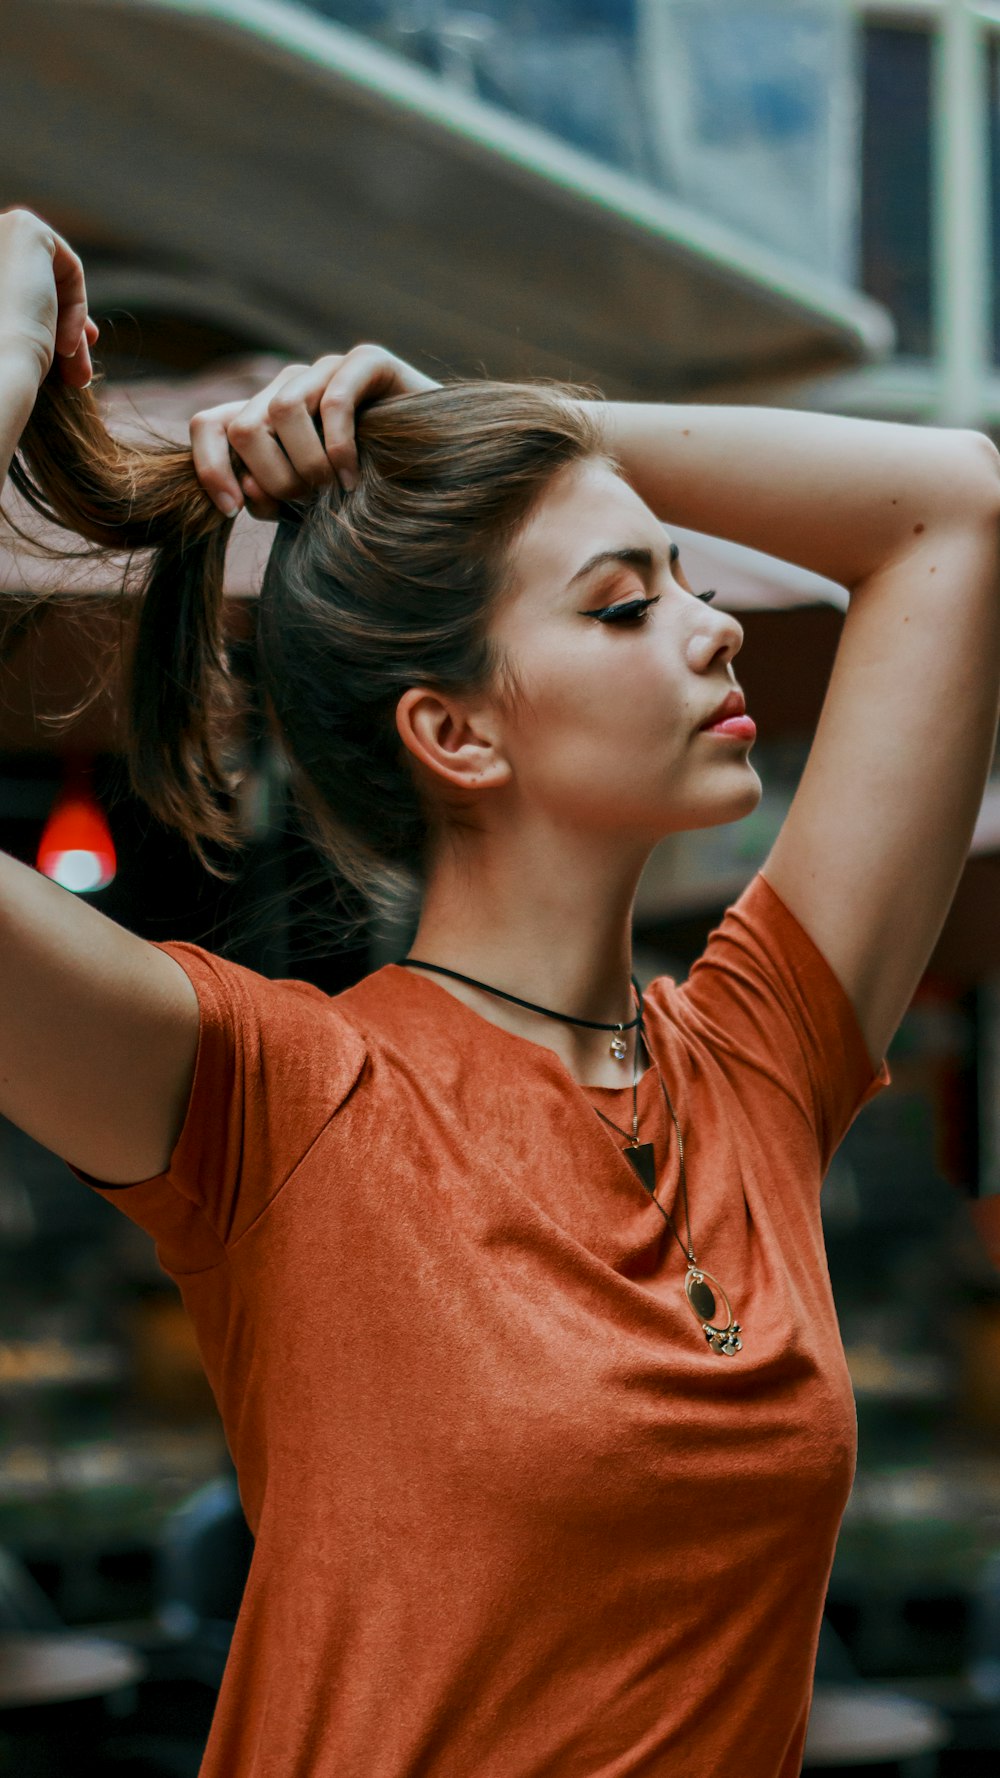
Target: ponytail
181, 693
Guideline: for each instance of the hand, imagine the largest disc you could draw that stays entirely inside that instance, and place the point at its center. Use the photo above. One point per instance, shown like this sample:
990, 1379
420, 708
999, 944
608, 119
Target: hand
43, 299
275, 434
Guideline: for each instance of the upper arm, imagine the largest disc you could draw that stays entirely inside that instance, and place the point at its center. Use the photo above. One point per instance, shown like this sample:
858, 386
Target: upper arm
871, 851
98, 1031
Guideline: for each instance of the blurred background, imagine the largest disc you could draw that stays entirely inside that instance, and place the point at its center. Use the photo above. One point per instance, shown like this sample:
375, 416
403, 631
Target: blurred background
791, 201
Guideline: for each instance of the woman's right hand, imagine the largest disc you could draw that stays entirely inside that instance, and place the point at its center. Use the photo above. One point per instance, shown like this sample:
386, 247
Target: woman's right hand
298, 433
43, 300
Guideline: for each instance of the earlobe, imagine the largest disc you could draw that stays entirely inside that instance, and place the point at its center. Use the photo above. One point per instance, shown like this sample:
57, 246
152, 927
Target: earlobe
446, 740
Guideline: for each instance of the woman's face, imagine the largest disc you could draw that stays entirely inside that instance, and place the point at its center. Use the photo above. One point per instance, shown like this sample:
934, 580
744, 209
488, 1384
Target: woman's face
605, 735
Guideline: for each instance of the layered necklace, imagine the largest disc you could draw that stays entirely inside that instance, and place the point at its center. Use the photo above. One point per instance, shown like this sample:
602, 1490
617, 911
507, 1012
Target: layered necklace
702, 1291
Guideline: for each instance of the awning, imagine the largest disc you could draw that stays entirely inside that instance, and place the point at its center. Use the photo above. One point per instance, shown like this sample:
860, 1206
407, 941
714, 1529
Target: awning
251, 165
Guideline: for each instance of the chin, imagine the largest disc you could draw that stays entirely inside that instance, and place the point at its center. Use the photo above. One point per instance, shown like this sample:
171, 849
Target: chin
731, 802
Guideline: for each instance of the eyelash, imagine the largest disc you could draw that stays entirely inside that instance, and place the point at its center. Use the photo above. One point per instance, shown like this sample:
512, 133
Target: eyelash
636, 610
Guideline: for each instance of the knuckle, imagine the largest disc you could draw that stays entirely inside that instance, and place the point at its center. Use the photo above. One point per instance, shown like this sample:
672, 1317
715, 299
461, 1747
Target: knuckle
240, 431
282, 405
211, 418
212, 479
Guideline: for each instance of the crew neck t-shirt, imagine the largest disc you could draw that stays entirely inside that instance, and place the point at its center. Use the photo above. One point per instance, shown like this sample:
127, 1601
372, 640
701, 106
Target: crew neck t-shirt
513, 1517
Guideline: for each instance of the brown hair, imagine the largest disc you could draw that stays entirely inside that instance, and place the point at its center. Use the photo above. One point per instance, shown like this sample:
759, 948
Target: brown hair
364, 594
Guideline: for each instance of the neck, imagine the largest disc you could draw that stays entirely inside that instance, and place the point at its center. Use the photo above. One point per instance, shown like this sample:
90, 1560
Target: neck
549, 920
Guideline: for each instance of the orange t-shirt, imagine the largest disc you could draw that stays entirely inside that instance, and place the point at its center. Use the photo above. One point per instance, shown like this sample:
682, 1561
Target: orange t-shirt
513, 1517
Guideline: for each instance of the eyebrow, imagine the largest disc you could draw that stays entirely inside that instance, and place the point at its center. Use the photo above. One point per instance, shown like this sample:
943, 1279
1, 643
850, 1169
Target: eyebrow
635, 558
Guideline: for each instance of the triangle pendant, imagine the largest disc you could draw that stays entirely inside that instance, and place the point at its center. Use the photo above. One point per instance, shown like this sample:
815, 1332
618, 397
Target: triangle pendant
643, 1161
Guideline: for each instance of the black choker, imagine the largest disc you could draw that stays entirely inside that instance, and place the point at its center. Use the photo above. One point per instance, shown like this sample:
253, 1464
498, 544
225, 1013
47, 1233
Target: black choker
618, 1045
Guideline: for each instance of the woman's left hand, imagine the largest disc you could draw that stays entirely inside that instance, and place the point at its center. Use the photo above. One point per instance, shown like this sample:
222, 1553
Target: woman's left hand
275, 436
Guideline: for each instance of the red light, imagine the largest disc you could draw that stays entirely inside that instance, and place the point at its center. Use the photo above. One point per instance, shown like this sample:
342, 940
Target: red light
76, 848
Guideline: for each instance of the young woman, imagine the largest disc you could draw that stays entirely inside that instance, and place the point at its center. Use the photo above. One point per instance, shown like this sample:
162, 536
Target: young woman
516, 1308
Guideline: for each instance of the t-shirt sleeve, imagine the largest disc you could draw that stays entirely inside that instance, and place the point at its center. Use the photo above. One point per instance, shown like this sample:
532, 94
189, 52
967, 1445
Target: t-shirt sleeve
275, 1061
766, 998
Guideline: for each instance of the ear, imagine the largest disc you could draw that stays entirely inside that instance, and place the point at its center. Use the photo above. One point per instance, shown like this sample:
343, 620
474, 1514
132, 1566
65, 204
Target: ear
454, 743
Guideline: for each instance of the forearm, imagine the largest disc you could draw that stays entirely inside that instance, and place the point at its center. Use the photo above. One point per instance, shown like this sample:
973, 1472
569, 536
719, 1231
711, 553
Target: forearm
18, 388
839, 496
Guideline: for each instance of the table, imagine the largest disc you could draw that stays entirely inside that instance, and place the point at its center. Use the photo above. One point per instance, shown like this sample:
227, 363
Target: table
863, 1725
43, 1668
54, 1690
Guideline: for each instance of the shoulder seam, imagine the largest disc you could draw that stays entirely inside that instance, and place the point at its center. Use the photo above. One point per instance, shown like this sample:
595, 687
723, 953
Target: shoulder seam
304, 1156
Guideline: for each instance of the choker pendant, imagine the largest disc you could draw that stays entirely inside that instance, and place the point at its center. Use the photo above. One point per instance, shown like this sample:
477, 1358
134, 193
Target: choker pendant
618, 1046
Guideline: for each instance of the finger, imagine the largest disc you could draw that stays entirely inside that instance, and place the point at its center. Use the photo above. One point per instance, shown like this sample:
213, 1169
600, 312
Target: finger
71, 291
291, 413
77, 369
260, 453
259, 505
305, 391
253, 439
92, 331
212, 458
364, 373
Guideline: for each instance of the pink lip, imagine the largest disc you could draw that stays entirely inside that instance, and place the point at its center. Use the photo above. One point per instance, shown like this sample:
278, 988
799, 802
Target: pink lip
741, 728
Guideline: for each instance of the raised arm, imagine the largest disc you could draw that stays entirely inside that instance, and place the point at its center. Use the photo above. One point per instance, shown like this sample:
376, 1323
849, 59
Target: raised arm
98, 1029
907, 518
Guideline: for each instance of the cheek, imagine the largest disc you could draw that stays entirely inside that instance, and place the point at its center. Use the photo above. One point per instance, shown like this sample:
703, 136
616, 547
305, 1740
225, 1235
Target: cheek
605, 722
603, 689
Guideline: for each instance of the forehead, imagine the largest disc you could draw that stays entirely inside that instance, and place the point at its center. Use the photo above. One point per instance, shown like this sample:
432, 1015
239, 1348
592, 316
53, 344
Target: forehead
586, 508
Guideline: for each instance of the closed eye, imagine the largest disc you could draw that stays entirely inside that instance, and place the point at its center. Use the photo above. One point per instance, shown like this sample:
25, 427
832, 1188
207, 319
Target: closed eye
632, 611
627, 611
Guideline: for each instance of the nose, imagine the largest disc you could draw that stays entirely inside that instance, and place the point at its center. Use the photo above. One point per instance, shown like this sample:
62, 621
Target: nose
714, 633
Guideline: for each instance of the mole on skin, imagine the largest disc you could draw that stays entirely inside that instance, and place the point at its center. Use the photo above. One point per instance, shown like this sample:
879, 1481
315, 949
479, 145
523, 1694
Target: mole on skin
918, 528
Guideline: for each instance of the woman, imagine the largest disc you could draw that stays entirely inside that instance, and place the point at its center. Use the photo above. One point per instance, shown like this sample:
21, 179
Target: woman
545, 1476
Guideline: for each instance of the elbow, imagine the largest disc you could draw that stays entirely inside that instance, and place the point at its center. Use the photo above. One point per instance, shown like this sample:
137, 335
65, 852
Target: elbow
981, 471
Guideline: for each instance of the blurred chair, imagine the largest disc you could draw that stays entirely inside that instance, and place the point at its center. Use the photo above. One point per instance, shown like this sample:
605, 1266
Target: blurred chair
984, 1634
60, 1686
856, 1724
201, 1562
971, 1698
201, 1567
23, 1603
833, 1662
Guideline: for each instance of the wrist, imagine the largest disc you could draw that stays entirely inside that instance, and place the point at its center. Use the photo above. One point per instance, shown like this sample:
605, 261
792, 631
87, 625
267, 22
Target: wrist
20, 376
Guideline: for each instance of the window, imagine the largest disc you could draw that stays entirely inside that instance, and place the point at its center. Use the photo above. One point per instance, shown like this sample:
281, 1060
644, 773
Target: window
896, 180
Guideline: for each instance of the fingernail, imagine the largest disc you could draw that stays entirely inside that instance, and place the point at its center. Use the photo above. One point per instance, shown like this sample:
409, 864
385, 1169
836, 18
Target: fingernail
348, 479
230, 507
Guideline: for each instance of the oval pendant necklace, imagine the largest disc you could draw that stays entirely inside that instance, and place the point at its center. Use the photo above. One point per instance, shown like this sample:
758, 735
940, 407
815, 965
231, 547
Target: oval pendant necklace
702, 1291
